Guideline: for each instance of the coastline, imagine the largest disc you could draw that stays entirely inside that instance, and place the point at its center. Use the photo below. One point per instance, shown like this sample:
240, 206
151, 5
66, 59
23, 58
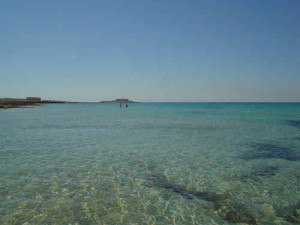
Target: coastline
8, 103
121, 100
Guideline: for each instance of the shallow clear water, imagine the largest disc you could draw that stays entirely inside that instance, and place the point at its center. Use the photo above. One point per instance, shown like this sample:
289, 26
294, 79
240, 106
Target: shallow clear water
153, 163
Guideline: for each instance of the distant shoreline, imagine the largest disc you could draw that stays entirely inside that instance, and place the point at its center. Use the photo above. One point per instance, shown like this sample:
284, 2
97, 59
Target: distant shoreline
121, 100
7, 103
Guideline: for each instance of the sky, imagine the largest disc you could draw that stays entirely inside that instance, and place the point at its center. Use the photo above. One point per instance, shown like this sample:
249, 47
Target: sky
157, 51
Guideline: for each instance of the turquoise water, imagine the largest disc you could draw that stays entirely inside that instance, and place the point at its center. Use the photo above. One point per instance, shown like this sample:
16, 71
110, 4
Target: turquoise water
153, 163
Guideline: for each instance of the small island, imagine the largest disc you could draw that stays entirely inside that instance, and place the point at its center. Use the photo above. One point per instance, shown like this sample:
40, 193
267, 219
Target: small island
121, 100
6, 103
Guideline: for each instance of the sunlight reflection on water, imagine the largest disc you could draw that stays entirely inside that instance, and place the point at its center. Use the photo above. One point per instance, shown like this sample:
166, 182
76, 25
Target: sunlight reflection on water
65, 164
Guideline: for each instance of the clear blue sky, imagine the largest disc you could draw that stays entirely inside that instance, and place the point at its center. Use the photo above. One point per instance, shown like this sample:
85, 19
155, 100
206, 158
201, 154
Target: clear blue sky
242, 50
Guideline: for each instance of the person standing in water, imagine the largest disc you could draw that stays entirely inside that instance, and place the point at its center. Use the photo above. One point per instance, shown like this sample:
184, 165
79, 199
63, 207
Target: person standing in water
121, 105
126, 105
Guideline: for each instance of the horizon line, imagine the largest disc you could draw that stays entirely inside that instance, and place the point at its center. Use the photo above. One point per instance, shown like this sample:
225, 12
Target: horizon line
192, 102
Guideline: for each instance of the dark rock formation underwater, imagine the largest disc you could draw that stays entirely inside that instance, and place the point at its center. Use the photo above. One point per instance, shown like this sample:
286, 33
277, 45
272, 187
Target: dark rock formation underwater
225, 207
294, 123
270, 151
228, 210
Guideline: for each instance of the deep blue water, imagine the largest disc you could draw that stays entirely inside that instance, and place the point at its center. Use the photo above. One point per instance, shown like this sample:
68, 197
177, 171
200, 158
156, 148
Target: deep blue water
152, 163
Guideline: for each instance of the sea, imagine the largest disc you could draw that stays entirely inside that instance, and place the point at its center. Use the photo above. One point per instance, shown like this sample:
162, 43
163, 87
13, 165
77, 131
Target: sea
150, 163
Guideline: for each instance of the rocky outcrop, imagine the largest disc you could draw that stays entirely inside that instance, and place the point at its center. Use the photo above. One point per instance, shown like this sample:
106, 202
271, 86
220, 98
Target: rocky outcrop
121, 100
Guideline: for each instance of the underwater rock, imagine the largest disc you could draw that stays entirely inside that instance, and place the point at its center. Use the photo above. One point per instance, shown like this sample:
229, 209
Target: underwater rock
257, 174
290, 214
235, 212
160, 180
270, 151
294, 123
266, 171
228, 210
268, 210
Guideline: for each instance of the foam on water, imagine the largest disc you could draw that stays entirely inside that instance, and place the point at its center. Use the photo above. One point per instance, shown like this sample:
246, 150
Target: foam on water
153, 163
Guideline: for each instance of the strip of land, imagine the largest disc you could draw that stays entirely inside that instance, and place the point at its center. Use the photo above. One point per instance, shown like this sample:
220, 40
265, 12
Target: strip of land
6, 103
121, 100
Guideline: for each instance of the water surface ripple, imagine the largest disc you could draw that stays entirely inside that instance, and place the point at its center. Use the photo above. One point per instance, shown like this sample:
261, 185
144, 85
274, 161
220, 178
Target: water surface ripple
152, 163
